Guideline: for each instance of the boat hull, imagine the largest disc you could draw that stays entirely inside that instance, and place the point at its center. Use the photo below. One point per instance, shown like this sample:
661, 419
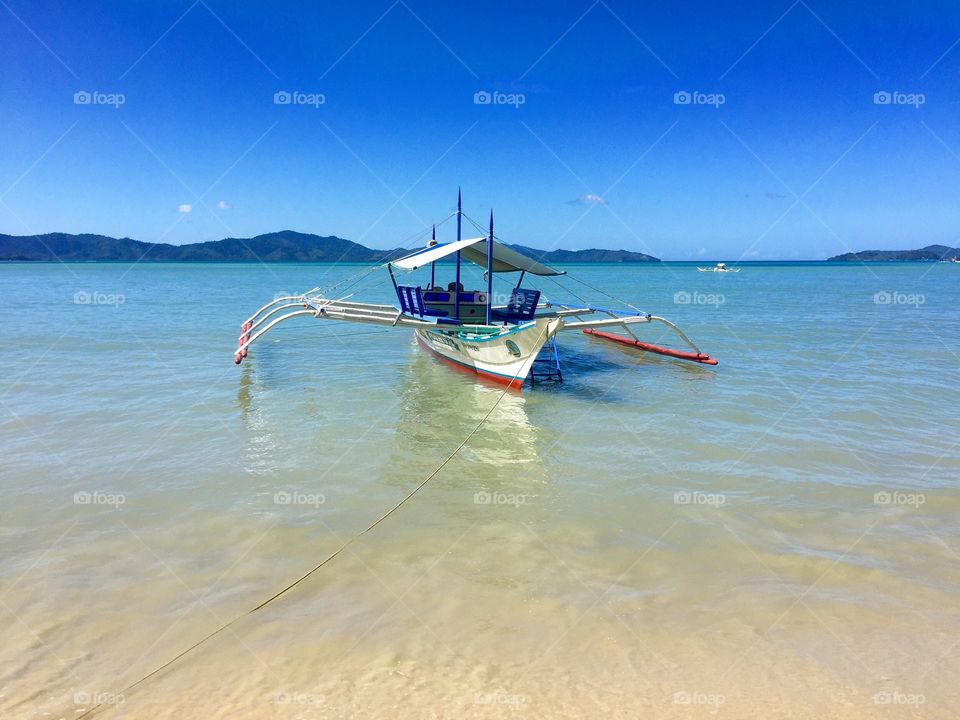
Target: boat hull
504, 358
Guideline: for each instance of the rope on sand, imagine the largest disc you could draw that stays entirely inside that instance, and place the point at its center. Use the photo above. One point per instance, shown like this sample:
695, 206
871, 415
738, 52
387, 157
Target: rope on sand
326, 560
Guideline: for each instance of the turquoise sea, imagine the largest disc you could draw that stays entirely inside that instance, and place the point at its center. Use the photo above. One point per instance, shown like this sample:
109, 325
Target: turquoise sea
774, 537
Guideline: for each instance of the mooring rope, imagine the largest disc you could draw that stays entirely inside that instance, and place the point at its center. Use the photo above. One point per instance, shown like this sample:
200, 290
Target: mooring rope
330, 557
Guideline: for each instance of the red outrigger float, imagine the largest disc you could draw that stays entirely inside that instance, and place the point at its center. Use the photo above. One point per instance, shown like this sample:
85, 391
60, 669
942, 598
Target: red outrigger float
647, 347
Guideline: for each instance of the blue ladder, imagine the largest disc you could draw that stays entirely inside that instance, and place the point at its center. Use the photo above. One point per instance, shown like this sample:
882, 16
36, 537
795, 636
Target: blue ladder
546, 366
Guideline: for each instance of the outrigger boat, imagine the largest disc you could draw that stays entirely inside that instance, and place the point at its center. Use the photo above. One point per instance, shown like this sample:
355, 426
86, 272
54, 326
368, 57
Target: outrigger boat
719, 267
507, 343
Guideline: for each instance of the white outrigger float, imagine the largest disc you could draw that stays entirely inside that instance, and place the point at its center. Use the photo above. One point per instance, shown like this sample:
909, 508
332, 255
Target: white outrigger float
502, 343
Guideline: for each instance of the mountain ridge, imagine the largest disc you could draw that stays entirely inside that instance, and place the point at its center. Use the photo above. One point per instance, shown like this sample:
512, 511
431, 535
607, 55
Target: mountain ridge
930, 252
281, 246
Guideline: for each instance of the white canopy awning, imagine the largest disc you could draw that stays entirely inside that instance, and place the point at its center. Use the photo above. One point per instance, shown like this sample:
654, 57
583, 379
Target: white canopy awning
431, 254
475, 250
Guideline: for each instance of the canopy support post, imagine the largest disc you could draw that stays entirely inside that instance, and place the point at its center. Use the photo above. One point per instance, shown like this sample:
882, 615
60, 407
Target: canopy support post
456, 285
490, 270
392, 278
433, 265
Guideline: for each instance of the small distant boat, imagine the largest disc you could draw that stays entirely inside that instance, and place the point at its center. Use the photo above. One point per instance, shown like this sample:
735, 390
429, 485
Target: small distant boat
953, 259
500, 342
719, 267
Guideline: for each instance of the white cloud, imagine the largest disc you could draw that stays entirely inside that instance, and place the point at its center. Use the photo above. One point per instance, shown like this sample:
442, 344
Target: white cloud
588, 199
224, 205
184, 208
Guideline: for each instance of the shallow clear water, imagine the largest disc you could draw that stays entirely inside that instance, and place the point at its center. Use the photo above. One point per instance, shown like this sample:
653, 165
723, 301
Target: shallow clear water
661, 539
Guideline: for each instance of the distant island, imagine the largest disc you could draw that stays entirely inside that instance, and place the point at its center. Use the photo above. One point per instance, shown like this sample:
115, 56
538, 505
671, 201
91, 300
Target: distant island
930, 252
283, 246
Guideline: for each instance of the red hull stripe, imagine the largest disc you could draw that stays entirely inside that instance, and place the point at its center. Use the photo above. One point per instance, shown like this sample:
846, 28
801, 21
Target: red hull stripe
647, 347
515, 383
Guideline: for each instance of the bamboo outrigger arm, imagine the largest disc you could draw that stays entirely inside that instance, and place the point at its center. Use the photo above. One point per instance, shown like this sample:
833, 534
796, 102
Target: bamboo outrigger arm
569, 316
624, 320
256, 326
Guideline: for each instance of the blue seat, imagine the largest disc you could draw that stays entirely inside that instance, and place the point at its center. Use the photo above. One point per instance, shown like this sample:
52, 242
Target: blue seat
411, 302
521, 306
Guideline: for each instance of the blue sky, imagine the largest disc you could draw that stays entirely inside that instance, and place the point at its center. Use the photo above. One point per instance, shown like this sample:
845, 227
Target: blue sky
784, 150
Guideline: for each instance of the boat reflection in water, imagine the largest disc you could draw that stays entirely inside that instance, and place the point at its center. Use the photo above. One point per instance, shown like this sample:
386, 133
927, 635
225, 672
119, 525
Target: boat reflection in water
439, 410
498, 463
417, 419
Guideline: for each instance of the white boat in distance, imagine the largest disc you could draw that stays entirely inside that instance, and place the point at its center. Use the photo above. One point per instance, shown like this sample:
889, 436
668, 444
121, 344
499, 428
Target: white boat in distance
502, 343
719, 267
